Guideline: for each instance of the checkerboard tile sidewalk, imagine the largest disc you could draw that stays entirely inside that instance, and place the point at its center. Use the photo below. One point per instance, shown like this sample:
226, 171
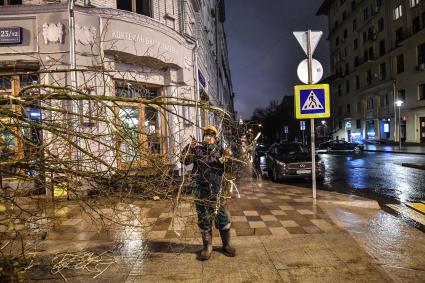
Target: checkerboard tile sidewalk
267, 210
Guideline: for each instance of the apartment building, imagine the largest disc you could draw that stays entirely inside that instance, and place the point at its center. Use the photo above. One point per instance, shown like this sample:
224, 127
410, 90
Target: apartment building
377, 58
173, 48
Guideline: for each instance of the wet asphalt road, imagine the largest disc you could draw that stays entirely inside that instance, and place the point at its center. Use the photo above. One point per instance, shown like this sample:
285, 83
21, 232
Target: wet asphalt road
378, 175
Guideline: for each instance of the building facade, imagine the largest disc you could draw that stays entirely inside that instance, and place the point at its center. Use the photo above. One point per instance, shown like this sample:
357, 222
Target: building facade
172, 48
377, 58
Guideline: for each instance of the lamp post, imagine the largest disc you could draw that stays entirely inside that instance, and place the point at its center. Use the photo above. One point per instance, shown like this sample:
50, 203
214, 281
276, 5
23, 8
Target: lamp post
399, 103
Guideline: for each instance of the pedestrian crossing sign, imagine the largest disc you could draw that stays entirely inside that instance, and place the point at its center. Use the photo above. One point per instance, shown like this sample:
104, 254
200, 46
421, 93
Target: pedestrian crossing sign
312, 101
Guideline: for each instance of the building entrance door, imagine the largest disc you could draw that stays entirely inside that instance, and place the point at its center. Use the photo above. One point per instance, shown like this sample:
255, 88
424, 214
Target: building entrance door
422, 129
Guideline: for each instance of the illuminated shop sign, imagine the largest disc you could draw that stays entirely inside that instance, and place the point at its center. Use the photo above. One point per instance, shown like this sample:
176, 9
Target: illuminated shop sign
10, 35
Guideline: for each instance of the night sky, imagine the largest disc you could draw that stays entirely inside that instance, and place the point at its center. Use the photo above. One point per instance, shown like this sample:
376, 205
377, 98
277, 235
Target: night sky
264, 54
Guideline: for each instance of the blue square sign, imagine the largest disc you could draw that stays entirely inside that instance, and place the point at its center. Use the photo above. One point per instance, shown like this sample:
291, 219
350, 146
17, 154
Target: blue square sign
312, 101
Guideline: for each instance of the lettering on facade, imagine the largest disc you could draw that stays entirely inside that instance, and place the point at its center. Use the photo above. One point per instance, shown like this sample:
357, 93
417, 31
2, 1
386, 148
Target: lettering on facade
137, 37
53, 33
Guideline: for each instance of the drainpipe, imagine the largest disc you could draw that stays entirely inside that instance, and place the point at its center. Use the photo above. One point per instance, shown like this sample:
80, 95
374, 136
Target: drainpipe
74, 106
197, 92
72, 55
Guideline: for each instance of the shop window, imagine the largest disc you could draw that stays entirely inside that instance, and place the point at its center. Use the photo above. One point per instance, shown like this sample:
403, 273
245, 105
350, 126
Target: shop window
422, 92
142, 7
140, 130
5, 83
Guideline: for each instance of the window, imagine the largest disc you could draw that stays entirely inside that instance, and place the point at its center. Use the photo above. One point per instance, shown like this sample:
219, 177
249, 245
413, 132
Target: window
421, 54
10, 2
354, 24
365, 14
348, 109
401, 95
339, 90
384, 100
364, 37
344, 15
382, 71
347, 86
357, 82
379, 3
358, 124
345, 33
413, 3
369, 77
382, 47
398, 12
337, 41
400, 63
359, 107
340, 125
353, 4
356, 44
339, 110
423, 20
371, 54
347, 69
138, 6
356, 61
416, 24
422, 92
399, 35
370, 103
380, 24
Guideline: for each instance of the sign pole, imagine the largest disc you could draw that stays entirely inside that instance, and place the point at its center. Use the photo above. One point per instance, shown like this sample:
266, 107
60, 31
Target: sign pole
313, 145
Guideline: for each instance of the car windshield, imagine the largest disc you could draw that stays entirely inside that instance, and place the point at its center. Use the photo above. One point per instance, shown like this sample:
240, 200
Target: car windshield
291, 149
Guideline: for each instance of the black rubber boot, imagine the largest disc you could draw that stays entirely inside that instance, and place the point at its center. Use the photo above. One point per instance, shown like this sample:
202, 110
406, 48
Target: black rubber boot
207, 245
228, 250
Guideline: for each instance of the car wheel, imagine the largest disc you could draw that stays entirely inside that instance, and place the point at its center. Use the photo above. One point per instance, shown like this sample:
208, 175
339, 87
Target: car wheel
328, 149
357, 149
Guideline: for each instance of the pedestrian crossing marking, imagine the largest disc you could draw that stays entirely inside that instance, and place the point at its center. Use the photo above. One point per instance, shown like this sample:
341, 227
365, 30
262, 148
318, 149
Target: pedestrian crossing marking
420, 207
312, 102
408, 212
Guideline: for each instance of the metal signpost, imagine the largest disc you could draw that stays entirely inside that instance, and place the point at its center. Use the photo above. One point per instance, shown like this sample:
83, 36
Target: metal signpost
311, 101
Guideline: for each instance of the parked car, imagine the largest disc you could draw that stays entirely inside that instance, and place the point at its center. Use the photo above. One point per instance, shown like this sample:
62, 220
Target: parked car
341, 145
259, 159
292, 161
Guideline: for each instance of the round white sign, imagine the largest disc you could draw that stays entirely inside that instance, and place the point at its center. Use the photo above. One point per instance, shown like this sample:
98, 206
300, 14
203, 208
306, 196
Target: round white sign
317, 71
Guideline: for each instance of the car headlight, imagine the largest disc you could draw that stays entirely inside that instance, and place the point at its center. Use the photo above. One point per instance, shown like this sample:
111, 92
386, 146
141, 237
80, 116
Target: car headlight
281, 164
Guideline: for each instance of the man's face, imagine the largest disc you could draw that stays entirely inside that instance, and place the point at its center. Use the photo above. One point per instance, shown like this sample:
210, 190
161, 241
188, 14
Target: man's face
209, 137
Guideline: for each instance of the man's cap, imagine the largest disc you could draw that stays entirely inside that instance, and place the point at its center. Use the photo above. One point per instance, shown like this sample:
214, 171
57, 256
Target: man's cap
210, 128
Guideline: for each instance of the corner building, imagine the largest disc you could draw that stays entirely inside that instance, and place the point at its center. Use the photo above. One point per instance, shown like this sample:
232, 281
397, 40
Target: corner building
377, 58
173, 48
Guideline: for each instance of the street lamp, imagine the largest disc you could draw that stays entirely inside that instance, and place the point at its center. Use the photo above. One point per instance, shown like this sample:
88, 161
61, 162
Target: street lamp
399, 103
